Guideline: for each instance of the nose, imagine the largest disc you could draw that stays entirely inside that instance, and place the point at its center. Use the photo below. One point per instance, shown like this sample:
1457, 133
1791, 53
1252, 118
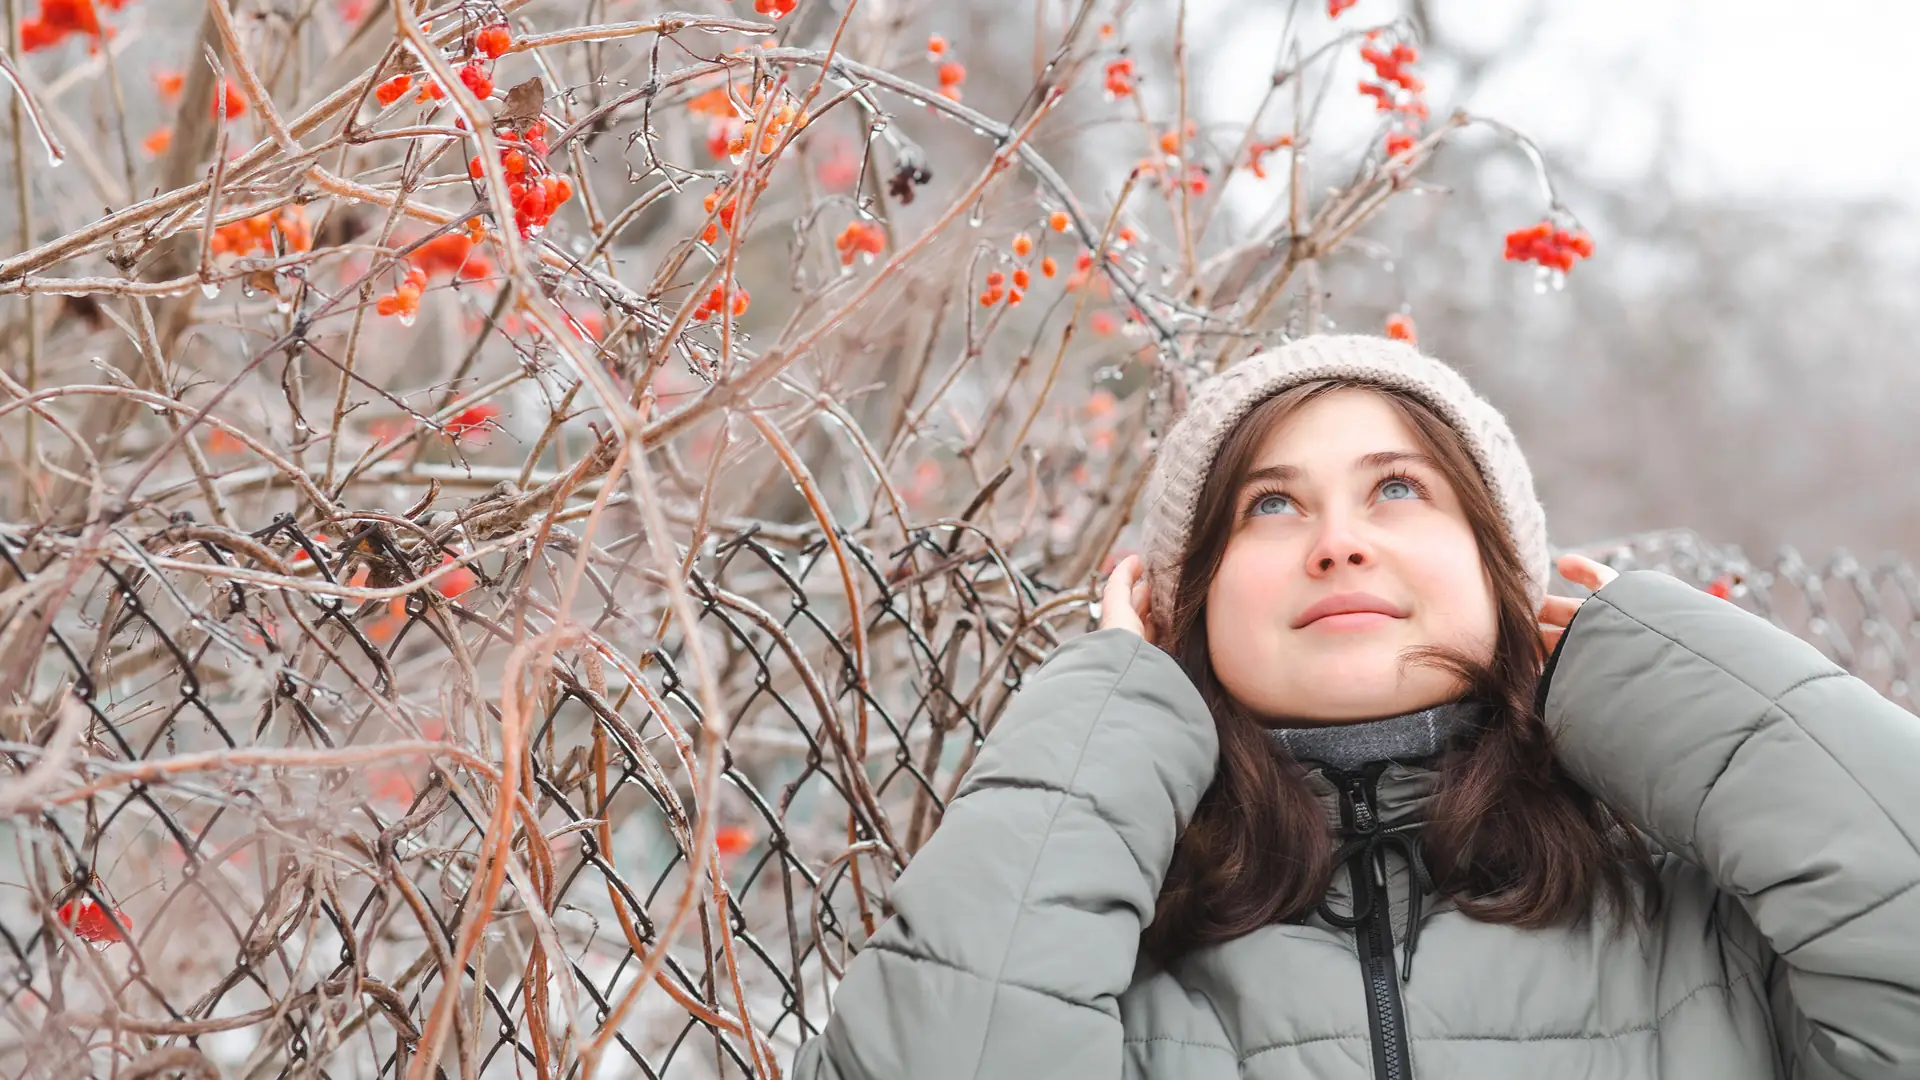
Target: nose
1338, 545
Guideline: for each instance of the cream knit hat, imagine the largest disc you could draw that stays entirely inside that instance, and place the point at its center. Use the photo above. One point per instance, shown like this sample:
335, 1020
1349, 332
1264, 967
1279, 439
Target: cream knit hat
1223, 400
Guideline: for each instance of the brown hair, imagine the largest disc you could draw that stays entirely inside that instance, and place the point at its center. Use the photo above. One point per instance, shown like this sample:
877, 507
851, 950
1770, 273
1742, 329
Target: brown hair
1509, 836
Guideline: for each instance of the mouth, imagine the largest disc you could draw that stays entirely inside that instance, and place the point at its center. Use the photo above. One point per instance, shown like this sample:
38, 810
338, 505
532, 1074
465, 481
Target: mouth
1350, 621
1349, 610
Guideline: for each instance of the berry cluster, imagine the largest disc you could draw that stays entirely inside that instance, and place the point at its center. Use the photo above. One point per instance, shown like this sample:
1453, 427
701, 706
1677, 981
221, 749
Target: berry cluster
256, 233
1172, 171
452, 254
775, 9
93, 924
717, 300
404, 300
717, 104
1119, 78
1552, 247
1012, 287
391, 91
1398, 91
478, 79
952, 72
489, 42
493, 41
1336, 7
723, 217
861, 238
534, 191
781, 118
58, 18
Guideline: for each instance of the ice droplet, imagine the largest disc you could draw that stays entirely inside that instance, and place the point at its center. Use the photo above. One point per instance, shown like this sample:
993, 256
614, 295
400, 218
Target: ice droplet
210, 290
406, 318
282, 305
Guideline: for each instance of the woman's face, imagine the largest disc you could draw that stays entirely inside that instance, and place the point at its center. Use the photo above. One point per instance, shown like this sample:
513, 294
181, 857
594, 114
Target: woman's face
1342, 502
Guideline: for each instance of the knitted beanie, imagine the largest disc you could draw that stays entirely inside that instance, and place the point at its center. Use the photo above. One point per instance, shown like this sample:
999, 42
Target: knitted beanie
1223, 400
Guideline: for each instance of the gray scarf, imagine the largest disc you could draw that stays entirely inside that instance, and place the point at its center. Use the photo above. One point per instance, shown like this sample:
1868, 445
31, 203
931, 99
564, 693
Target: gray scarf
1410, 737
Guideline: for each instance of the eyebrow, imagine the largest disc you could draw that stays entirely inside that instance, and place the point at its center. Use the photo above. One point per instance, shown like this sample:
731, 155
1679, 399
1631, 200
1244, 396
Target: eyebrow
1379, 459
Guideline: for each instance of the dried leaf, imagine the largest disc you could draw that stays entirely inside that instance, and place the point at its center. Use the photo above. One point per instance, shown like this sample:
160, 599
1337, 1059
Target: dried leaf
523, 105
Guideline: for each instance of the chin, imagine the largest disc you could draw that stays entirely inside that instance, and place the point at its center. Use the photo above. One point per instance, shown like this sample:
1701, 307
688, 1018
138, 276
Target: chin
1337, 690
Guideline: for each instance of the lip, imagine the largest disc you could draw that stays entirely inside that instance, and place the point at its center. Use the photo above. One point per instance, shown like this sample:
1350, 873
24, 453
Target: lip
1348, 603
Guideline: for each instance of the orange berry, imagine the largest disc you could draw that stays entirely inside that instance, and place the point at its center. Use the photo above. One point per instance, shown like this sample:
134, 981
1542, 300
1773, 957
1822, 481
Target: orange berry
936, 46
1020, 278
1059, 221
1023, 245
1048, 267
390, 91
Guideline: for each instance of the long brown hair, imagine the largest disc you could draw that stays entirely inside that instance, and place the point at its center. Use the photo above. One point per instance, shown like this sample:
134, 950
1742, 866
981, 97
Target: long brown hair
1509, 836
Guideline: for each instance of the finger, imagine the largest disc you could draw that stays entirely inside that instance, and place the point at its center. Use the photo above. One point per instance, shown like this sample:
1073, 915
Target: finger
1558, 610
1585, 572
1579, 569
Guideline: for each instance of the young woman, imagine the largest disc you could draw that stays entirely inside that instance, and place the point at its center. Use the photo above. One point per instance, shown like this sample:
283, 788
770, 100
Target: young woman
1338, 791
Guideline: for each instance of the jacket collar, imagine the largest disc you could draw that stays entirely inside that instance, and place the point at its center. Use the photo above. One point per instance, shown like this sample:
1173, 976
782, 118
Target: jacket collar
1404, 790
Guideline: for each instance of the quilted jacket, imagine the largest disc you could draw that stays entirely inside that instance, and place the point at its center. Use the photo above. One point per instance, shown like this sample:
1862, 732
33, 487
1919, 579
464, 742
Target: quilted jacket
1782, 796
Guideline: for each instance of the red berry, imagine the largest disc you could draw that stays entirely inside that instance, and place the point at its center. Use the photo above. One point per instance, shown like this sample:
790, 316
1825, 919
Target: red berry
390, 91
492, 41
477, 79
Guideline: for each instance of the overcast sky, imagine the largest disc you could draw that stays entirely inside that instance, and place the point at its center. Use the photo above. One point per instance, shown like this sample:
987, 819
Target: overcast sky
1769, 97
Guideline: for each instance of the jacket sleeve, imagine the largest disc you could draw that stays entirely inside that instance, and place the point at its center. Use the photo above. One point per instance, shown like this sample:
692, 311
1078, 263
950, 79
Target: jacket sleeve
1743, 749
1016, 926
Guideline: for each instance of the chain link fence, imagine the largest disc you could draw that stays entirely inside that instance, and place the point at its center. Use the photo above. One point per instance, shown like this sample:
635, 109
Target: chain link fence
250, 826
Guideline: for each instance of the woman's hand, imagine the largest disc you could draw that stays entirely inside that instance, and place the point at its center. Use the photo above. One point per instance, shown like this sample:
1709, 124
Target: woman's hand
1558, 611
1125, 600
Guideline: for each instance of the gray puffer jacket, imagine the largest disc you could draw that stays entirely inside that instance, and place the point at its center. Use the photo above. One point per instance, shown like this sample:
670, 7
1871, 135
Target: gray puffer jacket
1784, 795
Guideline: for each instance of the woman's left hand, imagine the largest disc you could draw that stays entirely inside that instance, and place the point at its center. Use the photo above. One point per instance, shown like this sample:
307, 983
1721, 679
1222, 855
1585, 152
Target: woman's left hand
1558, 611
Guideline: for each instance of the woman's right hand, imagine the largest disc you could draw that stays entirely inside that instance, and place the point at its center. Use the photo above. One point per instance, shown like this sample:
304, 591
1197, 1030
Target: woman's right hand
1125, 602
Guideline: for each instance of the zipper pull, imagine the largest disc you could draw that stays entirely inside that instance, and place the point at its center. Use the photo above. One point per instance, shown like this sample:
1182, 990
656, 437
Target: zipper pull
1363, 819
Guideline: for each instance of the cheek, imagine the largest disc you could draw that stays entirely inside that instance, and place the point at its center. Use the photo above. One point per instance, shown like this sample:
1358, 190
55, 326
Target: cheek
1456, 586
1250, 583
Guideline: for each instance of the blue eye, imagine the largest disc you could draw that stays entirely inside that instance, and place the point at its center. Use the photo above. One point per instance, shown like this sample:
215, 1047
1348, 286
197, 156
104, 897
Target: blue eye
1392, 489
1275, 499
1395, 482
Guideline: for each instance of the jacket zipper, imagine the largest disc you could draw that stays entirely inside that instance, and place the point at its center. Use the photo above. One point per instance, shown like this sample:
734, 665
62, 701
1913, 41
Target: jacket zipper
1374, 938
